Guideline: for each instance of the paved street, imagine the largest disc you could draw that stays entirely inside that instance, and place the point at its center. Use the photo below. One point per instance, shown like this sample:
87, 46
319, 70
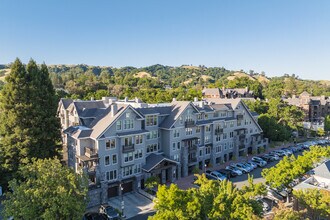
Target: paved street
187, 182
135, 204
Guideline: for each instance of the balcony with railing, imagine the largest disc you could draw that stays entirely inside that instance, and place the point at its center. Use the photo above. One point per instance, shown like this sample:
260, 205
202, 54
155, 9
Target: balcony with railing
192, 160
90, 152
189, 123
128, 148
241, 146
218, 131
241, 137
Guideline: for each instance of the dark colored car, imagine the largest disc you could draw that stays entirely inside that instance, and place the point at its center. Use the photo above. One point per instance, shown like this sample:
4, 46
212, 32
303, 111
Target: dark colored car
95, 216
267, 158
110, 212
228, 173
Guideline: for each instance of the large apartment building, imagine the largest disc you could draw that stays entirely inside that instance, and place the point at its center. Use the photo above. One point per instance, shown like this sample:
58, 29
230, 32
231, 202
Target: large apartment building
123, 142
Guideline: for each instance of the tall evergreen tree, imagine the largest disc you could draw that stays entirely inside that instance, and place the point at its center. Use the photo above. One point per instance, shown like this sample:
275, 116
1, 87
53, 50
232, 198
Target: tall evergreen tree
28, 123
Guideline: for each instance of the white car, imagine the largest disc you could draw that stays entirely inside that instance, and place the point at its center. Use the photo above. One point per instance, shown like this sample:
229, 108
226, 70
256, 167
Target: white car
235, 170
260, 162
253, 164
244, 168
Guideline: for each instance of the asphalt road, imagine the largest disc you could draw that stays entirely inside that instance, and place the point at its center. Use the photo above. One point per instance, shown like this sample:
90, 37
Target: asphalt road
242, 180
142, 216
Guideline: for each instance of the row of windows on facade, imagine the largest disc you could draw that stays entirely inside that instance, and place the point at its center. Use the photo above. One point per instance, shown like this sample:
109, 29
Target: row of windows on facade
130, 156
205, 116
126, 171
152, 120
128, 141
207, 150
189, 131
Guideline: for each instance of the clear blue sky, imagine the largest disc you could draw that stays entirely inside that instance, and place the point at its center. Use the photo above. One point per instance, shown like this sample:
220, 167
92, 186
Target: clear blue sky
275, 36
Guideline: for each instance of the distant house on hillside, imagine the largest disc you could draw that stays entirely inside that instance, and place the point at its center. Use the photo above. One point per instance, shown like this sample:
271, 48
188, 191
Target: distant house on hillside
227, 93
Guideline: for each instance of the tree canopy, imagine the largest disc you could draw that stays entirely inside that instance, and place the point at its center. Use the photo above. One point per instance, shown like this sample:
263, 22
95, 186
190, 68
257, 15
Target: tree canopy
48, 191
29, 126
212, 200
317, 202
290, 168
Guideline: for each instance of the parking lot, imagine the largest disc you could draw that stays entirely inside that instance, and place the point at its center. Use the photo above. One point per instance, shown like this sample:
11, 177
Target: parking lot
187, 182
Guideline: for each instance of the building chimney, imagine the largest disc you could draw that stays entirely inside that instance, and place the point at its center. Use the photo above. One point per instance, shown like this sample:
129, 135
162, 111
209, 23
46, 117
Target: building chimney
174, 100
201, 104
92, 98
195, 99
114, 109
126, 99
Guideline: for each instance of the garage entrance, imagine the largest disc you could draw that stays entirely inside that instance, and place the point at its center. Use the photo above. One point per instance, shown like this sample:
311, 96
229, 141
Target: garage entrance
113, 191
128, 187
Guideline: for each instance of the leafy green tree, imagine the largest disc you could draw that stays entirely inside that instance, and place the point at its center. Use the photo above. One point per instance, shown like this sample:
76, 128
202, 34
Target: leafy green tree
261, 107
327, 123
29, 126
317, 202
281, 212
320, 132
274, 89
48, 190
152, 182
290, 168
212, 200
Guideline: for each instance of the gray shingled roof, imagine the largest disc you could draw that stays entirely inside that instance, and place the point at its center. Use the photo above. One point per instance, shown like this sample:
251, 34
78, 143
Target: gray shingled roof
176, 110
66, 102
212, 91
91, 112
82, 105
304, 93
221, 106
153, 160
254, 114
100, 124
162, 110
323, 170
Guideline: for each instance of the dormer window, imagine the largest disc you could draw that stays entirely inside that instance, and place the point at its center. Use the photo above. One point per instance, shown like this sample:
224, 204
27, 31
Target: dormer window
151, 120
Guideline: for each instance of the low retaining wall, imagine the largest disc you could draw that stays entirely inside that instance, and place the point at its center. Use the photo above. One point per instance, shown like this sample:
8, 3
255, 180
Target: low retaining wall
144, 193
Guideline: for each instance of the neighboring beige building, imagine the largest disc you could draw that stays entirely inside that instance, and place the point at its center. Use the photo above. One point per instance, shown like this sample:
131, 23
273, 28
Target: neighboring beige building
314, 107
227, 93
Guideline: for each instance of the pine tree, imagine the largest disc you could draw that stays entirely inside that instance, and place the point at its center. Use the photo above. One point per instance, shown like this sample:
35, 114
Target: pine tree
28, 124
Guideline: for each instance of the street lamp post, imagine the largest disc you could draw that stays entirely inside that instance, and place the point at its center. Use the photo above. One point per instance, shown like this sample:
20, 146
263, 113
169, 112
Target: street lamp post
122, 200
205, 168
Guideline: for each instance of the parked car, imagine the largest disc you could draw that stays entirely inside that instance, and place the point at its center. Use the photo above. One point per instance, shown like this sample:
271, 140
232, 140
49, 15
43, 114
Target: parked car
95, 216
294, 149
217, 175
281, 153
251, 163
234, 169
260, 162
252, 167
264, 202
273, 194
267, 158
109, 211
288, 151
274, 155
300, 147
241, 166
228, 173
